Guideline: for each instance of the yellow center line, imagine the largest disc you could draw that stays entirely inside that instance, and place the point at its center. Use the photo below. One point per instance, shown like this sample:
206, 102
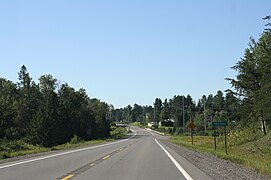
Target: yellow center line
106, 157
67, 177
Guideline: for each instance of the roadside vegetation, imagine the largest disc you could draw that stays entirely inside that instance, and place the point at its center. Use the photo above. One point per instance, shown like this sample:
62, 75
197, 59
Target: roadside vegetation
245, 148
139, 124
9, 149
49, 113
118, 132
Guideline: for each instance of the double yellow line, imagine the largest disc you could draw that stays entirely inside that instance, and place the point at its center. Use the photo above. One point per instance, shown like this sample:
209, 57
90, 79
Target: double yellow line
106, 157
71, 175
67, 177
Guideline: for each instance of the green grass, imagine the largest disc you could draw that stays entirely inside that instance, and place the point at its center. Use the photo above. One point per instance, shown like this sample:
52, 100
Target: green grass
165, 129
79, 144
254, 152
138, 124
9, 149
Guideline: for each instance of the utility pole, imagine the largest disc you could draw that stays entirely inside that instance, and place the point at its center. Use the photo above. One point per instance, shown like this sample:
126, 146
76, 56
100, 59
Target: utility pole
183, 116
205, 128
154, 112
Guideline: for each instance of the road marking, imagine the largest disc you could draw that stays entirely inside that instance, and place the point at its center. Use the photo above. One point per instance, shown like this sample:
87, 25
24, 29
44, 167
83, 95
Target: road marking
87, 166
64, 153
180, 168
67, 177
152, 134
106, 157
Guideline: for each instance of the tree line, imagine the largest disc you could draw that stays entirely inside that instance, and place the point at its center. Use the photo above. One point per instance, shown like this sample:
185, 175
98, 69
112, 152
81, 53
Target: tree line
248, 104
49, 113
183, 110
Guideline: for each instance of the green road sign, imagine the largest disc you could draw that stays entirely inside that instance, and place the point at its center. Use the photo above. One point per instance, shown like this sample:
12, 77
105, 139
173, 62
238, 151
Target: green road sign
223, 123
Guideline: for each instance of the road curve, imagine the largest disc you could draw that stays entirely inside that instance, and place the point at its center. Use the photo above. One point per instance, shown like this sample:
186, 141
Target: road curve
142, 156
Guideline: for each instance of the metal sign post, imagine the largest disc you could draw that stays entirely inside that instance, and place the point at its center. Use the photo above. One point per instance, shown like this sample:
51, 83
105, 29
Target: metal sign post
215, 138
192, 126
192, 136
226, 149
221, 124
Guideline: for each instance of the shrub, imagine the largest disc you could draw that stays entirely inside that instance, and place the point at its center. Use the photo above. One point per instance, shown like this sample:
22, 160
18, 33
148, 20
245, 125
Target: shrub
244, 136
118, 132
178, 131
75, 140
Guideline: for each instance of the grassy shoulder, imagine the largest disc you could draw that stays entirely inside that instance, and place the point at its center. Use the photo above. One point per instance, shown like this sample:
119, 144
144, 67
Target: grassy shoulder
139, 124
9, 149
254, 152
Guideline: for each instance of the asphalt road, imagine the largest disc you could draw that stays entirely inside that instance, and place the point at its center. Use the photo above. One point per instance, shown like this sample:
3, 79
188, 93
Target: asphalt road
142, 156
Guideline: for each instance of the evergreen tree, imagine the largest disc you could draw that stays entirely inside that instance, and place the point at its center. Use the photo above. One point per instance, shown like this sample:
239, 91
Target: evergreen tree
8, 98
26, 103
165, 113
157, 109
254, 77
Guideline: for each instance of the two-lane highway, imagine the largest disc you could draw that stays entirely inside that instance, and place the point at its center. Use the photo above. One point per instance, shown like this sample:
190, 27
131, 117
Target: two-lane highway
142, 156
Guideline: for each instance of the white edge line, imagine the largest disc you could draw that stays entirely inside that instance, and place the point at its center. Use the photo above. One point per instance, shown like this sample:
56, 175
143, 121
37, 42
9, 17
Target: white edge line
64, 153
180, 168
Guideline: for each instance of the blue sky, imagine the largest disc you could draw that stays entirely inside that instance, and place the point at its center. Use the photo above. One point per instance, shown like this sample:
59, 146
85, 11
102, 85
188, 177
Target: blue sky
126, 52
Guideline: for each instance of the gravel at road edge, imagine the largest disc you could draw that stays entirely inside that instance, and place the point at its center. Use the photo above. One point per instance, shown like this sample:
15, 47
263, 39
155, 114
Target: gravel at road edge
215, 167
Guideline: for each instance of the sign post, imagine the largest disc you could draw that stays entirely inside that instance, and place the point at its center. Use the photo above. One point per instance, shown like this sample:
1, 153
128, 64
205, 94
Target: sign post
216, 134
225, 131
192, 126
220, 124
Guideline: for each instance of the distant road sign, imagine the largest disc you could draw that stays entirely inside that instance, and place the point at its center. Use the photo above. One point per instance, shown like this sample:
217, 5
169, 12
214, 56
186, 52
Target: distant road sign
191, 125
222, 123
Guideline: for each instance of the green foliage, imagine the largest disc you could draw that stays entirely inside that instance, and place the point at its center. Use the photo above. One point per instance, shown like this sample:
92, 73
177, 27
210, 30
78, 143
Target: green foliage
260, 146
18, 148
78, 142
244, 136
165, 113
166, 130
157, 109
39, 114
75, 140
12, 133
199, 122
118, 132
102, 124
137, 113
254, 76
178, 131
139, 124
69, 145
